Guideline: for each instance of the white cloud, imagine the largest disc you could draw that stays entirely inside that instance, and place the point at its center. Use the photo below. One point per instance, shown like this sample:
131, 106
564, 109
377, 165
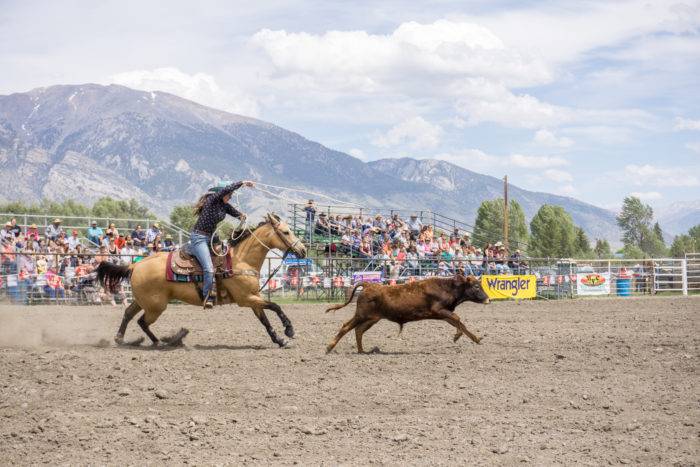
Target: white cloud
649, 175
519, 160
199, 87
686, 124
693, 146
361, 60
359, 153
548, 138
479, 161
560, 176
647, 195
566, 190
417, 132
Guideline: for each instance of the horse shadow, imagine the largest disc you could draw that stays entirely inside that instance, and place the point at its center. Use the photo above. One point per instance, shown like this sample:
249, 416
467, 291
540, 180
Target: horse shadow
228, 347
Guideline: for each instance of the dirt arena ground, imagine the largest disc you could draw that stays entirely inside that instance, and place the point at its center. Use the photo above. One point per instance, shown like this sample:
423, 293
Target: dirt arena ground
571, 382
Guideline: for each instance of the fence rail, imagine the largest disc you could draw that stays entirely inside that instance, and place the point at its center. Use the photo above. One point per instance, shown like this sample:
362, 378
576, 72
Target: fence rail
31, 278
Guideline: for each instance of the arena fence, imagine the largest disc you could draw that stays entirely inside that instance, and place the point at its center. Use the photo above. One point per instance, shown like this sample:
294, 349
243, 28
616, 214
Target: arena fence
329, 278
33, 278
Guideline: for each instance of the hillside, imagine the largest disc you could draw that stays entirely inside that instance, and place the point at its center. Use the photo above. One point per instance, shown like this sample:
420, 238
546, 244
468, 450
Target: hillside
88, 141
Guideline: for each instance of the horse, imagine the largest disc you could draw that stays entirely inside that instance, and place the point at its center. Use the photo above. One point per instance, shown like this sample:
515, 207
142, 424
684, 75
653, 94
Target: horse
152, 292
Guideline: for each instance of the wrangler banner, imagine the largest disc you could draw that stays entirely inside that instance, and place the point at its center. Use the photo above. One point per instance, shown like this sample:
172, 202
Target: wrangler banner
516, 287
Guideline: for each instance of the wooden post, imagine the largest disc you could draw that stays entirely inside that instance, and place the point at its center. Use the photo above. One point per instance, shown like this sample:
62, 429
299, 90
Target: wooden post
505, 213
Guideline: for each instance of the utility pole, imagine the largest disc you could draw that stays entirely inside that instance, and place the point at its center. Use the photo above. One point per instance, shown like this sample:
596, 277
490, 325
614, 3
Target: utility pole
505, 213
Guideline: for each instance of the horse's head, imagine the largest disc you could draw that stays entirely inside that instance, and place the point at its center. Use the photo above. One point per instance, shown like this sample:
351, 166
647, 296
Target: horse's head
279, 235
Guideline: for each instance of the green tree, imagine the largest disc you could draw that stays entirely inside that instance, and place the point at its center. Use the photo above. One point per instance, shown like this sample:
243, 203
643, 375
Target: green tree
683, 244
686, 243
635, 221
653, 243
112, 208
602, 249
553, 233
183, 216
488, 227
583, 245
633, 252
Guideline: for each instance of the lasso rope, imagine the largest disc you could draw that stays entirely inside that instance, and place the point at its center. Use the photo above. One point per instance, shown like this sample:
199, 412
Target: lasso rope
299, 190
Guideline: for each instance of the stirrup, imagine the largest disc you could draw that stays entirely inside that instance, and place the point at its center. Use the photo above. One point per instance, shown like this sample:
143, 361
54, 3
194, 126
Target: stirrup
208, 302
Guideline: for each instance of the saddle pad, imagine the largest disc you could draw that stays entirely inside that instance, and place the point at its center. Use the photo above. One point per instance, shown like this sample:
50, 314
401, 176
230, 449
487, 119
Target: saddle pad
180, 263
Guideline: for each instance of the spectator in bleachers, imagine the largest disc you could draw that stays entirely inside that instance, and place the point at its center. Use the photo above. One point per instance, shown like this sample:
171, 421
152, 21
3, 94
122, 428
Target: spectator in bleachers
153, 232
73, 241
95, 234
54, 285
14, 228
6, 234
120, 241
138, 236
415, 225
54, 230
310, 210
168, 244
32, 233
113, 230
112, 248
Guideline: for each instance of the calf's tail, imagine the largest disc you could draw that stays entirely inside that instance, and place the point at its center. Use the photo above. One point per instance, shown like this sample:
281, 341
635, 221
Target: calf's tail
338, 307
111, 275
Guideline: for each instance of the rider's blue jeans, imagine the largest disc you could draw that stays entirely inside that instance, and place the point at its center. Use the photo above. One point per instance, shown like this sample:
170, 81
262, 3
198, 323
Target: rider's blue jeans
199, 245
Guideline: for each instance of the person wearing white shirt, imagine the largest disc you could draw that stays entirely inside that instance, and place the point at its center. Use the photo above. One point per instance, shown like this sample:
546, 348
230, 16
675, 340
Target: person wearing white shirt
73, 241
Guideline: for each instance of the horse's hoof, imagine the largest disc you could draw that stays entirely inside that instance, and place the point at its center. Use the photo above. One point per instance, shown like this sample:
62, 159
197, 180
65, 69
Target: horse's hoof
119, 340
289, 332
282, 343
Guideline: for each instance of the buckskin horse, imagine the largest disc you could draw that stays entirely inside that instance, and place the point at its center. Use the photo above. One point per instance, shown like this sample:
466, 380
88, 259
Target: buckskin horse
152, 290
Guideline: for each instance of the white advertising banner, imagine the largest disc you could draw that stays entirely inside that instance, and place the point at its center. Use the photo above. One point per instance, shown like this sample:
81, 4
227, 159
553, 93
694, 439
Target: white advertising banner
593, 283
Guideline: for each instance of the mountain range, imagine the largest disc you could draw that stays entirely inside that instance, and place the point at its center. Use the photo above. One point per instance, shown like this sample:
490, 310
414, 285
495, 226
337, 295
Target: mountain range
88, 141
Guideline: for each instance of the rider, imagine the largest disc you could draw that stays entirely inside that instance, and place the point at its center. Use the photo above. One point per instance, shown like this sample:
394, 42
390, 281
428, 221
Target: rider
211, 209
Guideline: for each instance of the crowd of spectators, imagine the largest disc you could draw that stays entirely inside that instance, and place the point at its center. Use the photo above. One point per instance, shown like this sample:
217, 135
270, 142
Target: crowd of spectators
408, 247
60, 262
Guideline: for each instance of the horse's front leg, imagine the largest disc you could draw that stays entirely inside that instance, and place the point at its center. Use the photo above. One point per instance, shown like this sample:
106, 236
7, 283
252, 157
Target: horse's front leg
258, 305
288, 328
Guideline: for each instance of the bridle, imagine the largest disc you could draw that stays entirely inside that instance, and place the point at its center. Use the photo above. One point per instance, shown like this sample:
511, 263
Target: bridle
290, 246
281, 236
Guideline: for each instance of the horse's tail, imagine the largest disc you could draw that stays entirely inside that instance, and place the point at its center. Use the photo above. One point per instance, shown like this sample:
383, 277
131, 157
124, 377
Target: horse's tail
338, 307
111, 275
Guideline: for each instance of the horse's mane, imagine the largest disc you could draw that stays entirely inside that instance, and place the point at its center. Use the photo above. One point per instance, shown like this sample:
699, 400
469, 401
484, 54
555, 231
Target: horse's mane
239, 235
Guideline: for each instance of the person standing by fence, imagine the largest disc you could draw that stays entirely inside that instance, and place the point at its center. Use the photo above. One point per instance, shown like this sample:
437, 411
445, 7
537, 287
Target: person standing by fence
310, 210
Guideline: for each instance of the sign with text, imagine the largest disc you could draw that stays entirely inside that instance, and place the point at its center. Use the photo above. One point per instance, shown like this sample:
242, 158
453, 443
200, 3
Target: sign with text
506, 286
367, 276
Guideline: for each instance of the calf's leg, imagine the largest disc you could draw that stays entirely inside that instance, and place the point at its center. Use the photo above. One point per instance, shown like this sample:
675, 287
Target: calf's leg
453, 319
347, 327
360, 330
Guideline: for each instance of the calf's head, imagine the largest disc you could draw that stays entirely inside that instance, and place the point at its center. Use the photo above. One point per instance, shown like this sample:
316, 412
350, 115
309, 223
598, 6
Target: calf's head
471, 289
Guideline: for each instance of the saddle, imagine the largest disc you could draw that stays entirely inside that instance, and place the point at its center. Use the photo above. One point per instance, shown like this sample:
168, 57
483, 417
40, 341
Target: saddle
183, 263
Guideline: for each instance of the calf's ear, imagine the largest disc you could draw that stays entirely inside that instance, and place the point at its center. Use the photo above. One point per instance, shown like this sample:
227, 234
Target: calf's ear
471, 279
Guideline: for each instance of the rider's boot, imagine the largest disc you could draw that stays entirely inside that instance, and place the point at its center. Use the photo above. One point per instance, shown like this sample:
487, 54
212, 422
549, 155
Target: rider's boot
209, 302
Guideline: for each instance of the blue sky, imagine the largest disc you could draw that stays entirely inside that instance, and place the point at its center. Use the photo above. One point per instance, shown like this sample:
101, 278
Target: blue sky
590, 99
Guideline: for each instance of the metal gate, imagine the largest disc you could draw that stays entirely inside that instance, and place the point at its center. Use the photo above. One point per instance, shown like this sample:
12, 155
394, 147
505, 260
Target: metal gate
670, 275
692, 264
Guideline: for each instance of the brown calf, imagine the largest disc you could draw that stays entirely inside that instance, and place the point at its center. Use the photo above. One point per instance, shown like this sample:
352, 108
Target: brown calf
434, 298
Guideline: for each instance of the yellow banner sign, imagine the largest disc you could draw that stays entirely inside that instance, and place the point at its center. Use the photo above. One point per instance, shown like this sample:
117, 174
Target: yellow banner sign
503, 286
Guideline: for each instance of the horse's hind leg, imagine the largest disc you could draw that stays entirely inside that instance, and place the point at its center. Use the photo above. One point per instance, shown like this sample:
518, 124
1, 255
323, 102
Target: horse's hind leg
145, 327
131, 311
288, 328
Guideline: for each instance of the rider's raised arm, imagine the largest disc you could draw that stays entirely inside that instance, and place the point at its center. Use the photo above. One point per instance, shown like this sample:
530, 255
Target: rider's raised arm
228, 190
